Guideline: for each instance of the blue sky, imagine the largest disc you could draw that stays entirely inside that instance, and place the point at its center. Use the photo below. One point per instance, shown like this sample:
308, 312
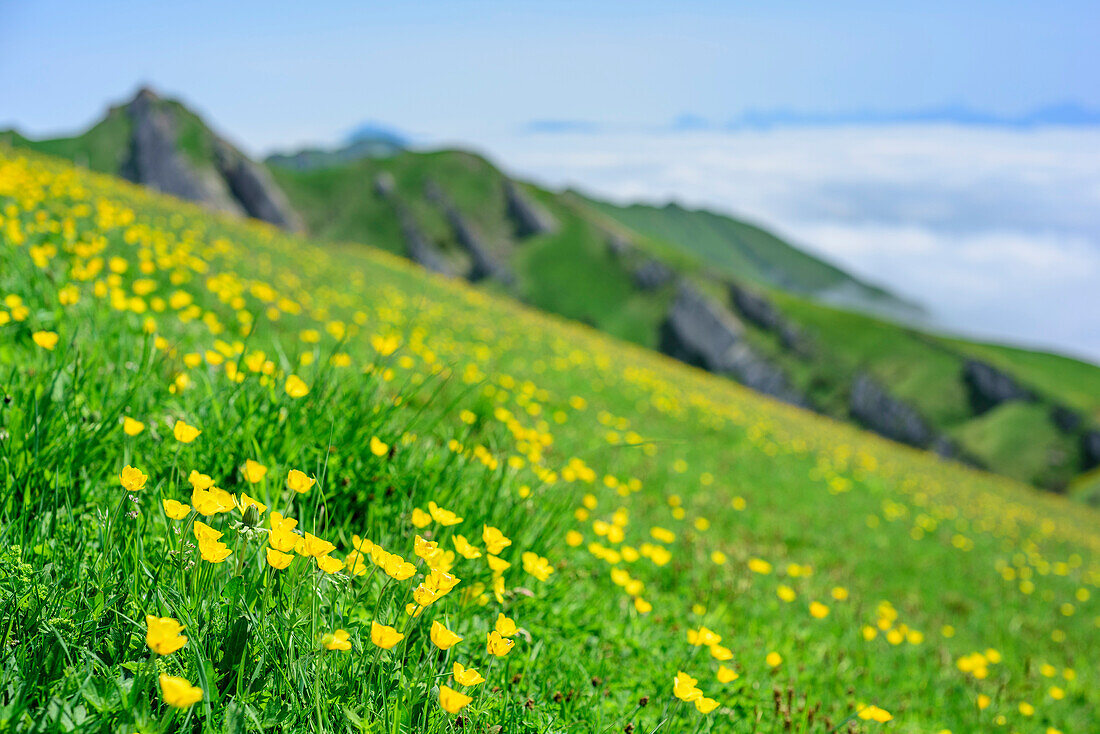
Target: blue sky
275, 73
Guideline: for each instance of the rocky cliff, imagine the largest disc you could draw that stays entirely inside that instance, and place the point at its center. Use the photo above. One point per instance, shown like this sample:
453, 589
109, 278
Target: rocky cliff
227, 181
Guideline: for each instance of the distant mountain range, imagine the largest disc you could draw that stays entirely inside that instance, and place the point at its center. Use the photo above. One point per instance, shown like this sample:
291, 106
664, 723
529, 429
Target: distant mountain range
1066, 114
723, 294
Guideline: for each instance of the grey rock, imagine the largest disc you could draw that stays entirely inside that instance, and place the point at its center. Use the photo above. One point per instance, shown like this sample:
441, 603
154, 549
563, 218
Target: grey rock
384, 185
1090, 448
651, 274
1066, 419
759, 310
872, 405
254, 189
700, 332
618, 245
989, 386
231, 183
528, 217
482, 263
418, 247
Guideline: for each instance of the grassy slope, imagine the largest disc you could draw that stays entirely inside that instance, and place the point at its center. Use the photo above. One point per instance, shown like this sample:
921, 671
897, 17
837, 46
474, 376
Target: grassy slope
942, 545
103, 147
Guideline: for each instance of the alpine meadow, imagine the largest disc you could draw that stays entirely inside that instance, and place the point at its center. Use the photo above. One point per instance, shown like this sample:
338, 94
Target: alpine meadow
253, 483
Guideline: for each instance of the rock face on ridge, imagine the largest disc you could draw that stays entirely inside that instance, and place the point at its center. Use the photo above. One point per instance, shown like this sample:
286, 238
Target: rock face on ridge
528, 217
989, 386
872, 405
760, 311
229, 182
483, 264
701, 333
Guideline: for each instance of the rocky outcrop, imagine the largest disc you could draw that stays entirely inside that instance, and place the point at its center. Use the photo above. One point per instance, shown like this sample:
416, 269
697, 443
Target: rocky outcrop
699, 332
482, 263
872, 405
418, 247
989, 387
384, 185
651, 274
528, 217
229, 183
759, 310
618, 245
1066, 419
1090, 448
254, 189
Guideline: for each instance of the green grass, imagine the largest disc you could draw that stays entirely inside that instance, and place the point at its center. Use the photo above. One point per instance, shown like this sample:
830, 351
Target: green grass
509, 418
1018, 437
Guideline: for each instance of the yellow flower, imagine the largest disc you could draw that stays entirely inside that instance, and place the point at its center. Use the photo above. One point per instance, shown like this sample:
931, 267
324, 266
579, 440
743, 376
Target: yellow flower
1026, 708
642, 605
178, 692
299, 482
419, 518
383, 636
443, 638
444, 517
212, 501
983, 701
451, 700
132, 479
721, 653
132, 427
703, 637
245, 502
705, 705
378, 447
839, 593
464, 548
758, 565
495, 541
498, 564
785, 593
505, 626
774, 659
295, 387
185, 433
818, 610
497, 645
467, 676
214, 551
683, 687
337, 640
278, 560
328, 564
727, 675
875, 713
163, 634
537, 566
175, 510
199, 480
253, 471
311, 545
45, 339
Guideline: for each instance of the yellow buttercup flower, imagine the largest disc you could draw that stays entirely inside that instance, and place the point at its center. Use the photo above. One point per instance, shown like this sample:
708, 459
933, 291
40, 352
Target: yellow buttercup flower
497, 645
464, 548
419, 518
214, 551
177, 692
495, 541
705, 705
505, 626
727, 675
773, 659
163, 634
199, 480
378, 447
45, 339
498, 564
442, 516
253, 471
278, 560
328, 564
451, 700
466, 676
818, 610
537, 566
442, 637
311, 545
245, 502
132, 427
133, 480
185, 433
175, 510
337, 640
383, 636
684, 687
295, 387
299, 482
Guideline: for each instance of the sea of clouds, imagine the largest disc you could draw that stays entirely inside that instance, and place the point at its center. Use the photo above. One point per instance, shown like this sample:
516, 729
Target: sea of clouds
995, 231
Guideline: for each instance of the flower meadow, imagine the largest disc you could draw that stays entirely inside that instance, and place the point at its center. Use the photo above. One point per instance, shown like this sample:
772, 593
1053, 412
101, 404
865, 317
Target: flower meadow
250, 483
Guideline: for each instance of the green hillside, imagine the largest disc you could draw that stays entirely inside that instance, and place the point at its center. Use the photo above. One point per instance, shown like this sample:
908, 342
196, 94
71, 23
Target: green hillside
623, 270
253, 483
